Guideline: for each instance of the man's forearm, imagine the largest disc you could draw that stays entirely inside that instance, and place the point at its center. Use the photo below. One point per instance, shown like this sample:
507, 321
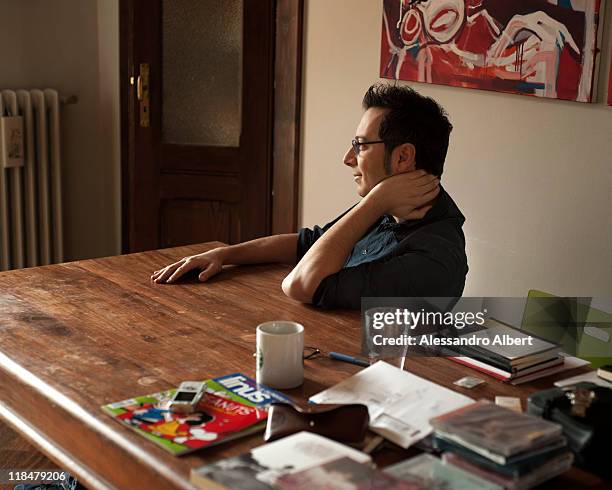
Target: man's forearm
275, 248
329, 253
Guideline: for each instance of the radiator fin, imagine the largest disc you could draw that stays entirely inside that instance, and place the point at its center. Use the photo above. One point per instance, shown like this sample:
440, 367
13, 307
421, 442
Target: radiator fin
31, 224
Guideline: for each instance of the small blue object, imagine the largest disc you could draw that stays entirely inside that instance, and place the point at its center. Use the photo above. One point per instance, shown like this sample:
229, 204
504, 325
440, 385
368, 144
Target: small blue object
350, 359
152, 415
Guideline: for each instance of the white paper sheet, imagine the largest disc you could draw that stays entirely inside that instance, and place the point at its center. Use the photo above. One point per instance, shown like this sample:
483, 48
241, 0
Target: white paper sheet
400, 404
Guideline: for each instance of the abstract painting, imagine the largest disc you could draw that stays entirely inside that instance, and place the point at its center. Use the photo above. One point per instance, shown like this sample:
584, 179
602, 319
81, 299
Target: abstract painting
544, 48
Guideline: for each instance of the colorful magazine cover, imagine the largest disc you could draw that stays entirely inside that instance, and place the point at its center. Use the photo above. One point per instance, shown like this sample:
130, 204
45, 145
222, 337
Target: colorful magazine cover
222, 415
249, 391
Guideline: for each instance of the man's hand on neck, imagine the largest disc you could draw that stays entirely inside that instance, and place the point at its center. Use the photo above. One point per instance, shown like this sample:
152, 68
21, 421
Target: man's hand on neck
407, 195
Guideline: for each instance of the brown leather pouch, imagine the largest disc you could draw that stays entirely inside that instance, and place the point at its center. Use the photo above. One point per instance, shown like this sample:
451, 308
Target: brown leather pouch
343, 423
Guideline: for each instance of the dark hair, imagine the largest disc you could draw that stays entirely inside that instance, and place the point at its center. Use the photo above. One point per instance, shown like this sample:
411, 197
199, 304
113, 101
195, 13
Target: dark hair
413, 118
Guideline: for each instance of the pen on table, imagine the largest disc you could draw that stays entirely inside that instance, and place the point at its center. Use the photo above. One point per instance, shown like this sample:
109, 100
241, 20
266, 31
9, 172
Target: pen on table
350, 359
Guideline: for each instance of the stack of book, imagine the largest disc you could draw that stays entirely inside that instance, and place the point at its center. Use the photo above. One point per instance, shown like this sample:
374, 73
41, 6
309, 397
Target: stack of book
509, 354
514, 450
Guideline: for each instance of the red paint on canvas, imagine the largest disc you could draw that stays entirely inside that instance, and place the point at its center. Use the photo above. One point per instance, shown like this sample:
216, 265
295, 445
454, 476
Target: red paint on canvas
544, 48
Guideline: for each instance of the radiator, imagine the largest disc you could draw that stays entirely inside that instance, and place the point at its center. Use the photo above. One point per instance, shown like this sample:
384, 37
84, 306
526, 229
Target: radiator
31, 231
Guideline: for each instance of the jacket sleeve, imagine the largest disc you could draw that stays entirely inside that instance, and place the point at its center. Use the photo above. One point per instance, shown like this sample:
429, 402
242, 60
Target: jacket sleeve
438, 272
307, 237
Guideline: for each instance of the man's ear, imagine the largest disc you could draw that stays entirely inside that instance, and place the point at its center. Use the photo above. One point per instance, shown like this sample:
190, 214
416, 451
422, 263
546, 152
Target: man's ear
405, 157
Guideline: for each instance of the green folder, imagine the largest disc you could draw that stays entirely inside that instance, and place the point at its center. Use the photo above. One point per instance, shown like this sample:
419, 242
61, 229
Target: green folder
581, 330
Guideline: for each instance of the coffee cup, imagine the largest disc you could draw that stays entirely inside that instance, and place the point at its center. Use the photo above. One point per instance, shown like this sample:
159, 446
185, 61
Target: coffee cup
280, 354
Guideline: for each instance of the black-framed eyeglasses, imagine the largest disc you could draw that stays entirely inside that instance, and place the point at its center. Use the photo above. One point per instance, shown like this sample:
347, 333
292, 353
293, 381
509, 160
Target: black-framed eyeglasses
357, 145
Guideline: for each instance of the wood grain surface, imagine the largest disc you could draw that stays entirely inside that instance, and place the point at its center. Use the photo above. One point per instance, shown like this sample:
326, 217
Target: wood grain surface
79, 335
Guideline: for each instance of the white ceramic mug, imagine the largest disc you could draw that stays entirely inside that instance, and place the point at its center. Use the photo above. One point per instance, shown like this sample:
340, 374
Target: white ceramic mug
280, 354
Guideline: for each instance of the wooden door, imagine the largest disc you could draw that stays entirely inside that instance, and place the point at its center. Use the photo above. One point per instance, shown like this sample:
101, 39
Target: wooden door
198, 120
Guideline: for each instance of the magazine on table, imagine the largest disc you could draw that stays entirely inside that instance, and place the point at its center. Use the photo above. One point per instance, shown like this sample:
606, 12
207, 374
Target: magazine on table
232, 406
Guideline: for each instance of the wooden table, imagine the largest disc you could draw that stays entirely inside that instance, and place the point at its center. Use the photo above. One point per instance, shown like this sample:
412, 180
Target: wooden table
79, 335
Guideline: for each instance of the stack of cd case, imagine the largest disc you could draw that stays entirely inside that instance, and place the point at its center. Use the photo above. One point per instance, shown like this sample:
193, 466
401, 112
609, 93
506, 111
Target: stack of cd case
514, 450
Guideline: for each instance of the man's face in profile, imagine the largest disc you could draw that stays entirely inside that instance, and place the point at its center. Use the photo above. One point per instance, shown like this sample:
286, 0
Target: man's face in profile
369, 166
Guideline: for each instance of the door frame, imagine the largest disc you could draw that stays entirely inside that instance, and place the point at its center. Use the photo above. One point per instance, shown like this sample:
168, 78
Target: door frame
287, 94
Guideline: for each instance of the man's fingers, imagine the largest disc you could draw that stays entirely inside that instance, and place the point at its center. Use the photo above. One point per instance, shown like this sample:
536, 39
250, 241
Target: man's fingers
186, 267
429, 195
427, 180
206, 273
173, 272
421, 178
167, 271
157, 273
165, 274
415, 175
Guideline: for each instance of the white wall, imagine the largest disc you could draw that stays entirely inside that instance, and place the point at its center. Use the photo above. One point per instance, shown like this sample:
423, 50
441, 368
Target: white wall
532, 176
73, 46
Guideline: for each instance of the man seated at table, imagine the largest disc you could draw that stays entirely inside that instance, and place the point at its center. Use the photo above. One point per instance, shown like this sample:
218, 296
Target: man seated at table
403, 238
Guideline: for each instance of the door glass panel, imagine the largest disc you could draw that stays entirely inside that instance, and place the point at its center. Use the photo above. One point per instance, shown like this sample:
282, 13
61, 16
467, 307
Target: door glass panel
202, 71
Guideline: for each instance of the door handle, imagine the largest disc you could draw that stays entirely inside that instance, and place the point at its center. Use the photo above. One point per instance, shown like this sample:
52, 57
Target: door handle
139, 87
